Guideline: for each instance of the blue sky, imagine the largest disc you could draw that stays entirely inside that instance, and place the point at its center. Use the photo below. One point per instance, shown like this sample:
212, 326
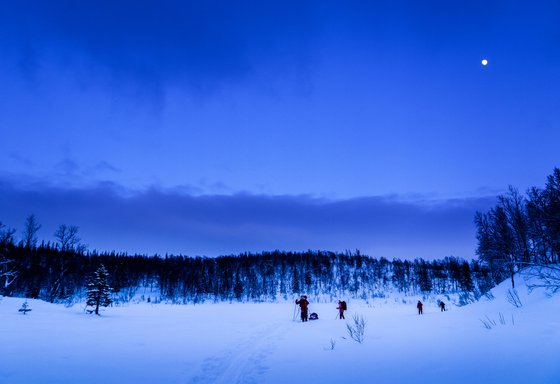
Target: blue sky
220, 127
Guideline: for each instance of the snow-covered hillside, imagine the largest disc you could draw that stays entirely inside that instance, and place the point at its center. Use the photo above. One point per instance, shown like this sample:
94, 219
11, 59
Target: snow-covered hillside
260, 343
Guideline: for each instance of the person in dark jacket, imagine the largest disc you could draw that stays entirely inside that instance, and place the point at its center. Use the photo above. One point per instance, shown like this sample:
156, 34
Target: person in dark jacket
303, 303
419, 306
442, 306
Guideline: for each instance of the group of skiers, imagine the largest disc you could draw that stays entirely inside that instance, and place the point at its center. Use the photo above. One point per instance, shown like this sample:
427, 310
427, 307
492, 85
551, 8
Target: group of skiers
304, 310
342, 306
420, 306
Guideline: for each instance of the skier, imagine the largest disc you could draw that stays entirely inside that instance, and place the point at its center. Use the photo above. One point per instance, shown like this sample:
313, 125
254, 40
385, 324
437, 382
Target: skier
442, 306
303, 303
341, 308
419, 306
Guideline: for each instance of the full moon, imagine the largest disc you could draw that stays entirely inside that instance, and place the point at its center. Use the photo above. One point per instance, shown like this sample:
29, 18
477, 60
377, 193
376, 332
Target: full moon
484, 62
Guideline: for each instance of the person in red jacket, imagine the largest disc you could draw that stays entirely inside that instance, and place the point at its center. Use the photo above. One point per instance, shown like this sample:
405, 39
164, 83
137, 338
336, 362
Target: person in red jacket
341, 308
303, 303
419, 306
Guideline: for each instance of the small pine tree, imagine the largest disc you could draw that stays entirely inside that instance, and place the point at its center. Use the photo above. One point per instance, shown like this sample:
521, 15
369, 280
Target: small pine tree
99, 290
24, 308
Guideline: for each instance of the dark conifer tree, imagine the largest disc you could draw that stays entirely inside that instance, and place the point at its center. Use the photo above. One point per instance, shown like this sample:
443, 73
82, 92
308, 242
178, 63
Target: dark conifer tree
98, 290
423, 275
238, 288
295, 280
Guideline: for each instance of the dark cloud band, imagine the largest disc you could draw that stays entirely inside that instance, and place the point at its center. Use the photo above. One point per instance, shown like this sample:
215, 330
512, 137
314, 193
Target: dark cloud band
167, 221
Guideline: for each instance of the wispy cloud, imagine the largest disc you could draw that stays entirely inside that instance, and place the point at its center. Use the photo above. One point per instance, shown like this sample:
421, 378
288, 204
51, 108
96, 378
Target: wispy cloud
194, 43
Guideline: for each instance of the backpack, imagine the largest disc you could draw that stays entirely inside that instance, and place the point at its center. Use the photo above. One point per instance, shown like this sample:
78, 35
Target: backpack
343, 306
313, 316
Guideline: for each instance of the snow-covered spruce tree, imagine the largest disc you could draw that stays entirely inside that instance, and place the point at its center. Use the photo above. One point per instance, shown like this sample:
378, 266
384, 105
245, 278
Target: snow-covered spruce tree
98, 290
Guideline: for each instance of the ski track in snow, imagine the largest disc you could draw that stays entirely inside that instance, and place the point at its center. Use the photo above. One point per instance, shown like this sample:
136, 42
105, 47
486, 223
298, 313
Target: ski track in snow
244, 363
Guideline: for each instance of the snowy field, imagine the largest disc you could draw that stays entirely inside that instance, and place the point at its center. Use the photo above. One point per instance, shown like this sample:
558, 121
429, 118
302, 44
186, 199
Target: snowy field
260, 343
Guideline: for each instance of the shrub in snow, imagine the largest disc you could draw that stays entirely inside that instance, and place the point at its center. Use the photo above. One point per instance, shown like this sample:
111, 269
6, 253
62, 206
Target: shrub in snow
98, 290
489, 323
331, 345
489, 296
356, 329
502, 319
24, 308
513, 298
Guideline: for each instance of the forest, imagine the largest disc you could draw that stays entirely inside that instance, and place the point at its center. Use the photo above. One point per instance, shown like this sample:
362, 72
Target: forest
46, 272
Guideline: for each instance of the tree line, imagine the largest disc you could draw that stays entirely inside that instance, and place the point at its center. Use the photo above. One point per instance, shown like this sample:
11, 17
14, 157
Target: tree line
521, 230
59, 272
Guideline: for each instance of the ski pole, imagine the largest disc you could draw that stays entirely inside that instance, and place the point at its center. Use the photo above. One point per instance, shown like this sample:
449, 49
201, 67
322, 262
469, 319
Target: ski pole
296, 312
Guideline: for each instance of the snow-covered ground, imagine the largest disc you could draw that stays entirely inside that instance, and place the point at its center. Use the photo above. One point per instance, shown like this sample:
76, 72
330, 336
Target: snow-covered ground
260, 343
